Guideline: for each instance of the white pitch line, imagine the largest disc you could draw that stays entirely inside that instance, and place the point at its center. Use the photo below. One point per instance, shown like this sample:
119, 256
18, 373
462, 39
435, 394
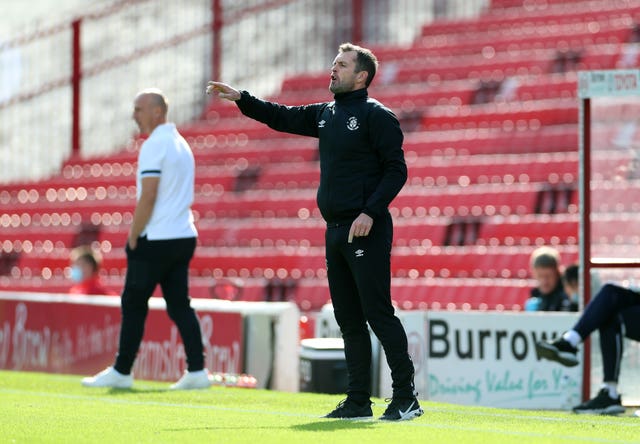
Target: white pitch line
578, 419
595, 420
150, 403
520, 434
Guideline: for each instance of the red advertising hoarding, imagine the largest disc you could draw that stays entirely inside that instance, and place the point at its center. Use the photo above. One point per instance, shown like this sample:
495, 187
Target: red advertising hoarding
81, 337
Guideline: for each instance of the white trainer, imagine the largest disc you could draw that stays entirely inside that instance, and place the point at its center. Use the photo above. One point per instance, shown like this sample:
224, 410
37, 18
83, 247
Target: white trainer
109, 377
193, 380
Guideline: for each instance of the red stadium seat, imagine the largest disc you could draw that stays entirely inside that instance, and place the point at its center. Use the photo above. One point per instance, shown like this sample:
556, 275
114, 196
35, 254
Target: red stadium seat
491, 161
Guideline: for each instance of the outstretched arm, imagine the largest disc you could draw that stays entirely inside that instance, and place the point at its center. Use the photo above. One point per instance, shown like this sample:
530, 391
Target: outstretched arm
223, 91
289, 119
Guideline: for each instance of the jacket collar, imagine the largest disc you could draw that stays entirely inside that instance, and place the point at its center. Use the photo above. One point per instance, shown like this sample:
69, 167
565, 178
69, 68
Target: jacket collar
558, 291
351, 96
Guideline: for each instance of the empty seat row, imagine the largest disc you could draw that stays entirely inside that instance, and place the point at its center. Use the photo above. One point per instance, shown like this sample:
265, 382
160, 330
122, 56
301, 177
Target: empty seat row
312, 294
408, 97
472, 141
409, 231
430, 71
615, 229
527, 230
563, 13
615, 196
415, 97
199, 287
553, 112
478, 200
518, 198
434, 62
98, 187
433, 294
539, 4
461, 294
476, 169
417, 144
473, 262
561, 38
296, 262
250, 131
208, 151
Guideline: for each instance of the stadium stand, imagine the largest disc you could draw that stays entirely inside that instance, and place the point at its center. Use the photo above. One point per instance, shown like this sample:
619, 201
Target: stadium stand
490, 114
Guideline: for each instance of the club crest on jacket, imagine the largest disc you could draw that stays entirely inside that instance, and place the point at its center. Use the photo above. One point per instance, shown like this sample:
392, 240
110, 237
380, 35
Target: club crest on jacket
352, 123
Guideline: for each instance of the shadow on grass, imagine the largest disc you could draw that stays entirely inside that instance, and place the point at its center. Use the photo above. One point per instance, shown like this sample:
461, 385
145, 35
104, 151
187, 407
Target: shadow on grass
330, 425
193, 429
137, 390
327, 425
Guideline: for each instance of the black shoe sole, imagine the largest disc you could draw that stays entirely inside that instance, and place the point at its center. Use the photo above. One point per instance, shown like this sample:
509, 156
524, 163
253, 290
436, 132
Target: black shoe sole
611, 410
406, 417
551, 353
353, 418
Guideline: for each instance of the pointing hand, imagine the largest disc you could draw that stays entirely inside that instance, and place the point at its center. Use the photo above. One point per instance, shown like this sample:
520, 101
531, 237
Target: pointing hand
223, 90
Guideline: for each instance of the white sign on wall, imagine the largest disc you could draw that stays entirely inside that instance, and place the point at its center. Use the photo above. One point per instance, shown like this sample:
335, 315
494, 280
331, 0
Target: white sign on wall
609, 83
481, 358
414, 325
489, 358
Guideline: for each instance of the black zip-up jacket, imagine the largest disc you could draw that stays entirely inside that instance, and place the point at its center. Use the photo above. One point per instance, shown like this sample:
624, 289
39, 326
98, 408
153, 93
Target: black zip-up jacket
557, 300
362, 166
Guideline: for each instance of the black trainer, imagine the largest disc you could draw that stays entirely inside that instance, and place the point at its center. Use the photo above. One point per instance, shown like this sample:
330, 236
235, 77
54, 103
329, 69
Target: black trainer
602, 404
401, 409
349, 409
559, 350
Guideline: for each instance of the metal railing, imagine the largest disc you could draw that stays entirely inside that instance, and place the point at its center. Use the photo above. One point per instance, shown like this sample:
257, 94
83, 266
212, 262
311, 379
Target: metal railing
68, 88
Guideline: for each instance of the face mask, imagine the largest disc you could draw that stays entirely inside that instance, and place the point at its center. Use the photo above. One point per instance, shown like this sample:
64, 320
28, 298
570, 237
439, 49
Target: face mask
76, 274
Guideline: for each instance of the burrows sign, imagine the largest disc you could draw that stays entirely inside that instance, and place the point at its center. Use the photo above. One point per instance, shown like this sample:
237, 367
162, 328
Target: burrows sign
481, 358
489, 358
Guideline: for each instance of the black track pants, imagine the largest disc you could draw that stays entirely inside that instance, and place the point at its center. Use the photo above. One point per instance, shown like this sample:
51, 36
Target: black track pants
360, 284
610, 309
164, 262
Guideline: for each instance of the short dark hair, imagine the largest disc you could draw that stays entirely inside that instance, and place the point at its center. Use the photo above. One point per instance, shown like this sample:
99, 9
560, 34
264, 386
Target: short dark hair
545, 257
365, 60
87, 254
571, 275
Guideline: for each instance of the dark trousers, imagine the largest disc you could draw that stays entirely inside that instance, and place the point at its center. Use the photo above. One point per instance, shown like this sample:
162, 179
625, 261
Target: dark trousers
360, 284
610, 309
164, 262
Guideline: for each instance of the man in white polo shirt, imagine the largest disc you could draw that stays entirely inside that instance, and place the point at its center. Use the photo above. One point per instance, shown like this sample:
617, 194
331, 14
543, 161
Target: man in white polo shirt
161, 243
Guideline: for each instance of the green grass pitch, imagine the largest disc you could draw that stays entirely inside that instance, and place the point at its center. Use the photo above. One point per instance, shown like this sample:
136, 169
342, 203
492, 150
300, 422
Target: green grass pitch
45, 408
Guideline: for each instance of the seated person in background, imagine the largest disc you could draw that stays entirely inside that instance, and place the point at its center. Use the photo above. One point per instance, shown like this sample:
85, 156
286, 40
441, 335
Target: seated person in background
85, 268
549, 295
608, 311
571, 287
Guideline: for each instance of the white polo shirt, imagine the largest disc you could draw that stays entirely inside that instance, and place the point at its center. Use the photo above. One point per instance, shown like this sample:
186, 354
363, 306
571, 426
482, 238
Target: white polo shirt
167, 155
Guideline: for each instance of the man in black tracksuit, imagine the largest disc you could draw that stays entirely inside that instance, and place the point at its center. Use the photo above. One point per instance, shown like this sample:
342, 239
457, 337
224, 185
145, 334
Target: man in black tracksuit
362, 169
